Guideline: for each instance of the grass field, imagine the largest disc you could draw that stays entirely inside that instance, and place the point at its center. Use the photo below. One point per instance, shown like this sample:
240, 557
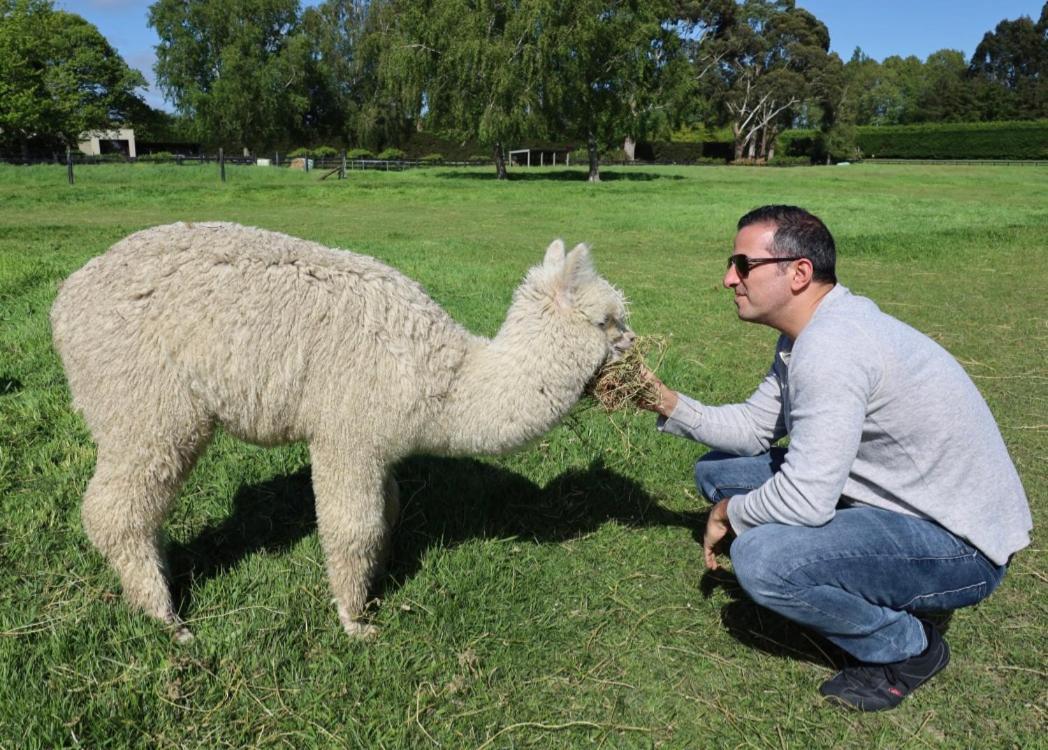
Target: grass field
550, 598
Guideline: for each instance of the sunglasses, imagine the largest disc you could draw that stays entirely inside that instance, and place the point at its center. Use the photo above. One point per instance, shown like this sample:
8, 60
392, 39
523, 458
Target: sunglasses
744, 263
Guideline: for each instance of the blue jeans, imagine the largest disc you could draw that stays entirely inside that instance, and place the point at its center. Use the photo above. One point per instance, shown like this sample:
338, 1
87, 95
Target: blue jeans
856, 580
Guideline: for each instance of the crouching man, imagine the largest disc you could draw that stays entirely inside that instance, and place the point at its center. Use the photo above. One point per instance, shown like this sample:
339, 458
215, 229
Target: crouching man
896, 495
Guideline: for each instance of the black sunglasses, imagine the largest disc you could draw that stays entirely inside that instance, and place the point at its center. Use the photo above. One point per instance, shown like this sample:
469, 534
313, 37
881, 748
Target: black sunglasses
744, 263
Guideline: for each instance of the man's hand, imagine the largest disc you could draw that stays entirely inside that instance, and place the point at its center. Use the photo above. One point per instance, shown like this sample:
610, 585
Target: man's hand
717, 528
667, 399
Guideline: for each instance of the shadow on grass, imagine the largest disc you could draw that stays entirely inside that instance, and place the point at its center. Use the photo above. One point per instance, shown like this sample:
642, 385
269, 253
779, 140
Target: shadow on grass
560, 175
444, 502
762, 629
9, 386
449, 501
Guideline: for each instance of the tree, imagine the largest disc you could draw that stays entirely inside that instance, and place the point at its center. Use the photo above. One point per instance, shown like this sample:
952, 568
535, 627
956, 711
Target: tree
946, 93
471, 69
59, 77
498, 71
329, 47
1010, 67
768, 58
613, 69
229, 66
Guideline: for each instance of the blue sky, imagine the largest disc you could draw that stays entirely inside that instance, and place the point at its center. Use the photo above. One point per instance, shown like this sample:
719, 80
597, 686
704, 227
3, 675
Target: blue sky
882, 28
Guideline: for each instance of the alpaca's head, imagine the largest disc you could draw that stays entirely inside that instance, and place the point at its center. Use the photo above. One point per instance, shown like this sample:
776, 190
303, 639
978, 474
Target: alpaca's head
565, 298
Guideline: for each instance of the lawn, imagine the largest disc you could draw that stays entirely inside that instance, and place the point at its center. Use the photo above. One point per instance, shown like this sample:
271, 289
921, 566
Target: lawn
554, 597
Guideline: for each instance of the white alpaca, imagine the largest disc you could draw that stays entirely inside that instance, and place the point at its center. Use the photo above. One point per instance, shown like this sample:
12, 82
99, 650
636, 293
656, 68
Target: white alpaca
178, 328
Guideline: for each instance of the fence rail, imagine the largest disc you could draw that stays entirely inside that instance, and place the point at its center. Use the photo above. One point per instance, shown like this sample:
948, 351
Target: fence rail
963, 162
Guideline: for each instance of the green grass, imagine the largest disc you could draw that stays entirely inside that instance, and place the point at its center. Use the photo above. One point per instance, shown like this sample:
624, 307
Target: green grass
551, 598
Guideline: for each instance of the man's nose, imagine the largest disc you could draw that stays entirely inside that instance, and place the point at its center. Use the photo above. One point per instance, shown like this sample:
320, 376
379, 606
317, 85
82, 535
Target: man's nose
731, 277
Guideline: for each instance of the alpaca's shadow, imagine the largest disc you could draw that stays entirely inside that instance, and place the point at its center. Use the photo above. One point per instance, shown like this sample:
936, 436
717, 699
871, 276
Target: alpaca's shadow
270, 516
444, 502
627, 174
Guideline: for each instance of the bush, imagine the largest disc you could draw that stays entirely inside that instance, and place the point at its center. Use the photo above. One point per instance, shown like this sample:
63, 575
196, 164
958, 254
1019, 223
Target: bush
157, 156
324, 152
392, 154
614, 156
298, 153
478, 159
676, 153
579, 156
962, 140
780, 160
359, 153
432, 158
946, 140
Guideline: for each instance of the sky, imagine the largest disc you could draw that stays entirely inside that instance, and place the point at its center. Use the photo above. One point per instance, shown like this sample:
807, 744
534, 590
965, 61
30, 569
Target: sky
882, 28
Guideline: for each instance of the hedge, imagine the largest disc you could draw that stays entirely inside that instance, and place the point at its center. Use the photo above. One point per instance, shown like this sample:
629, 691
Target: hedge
953, 140
683, 152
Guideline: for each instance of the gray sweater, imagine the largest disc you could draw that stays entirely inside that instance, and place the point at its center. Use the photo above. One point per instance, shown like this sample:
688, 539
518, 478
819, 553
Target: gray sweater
878, 414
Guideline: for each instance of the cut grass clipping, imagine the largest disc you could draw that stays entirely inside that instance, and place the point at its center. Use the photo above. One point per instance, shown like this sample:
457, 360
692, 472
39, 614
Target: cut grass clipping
620, 384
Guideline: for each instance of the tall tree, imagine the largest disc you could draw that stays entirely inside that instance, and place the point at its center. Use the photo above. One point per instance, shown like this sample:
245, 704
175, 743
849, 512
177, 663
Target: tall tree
947, 94
229, 66
472, 69
614, 68
328, 47
59, 77
768, 57
1010, 66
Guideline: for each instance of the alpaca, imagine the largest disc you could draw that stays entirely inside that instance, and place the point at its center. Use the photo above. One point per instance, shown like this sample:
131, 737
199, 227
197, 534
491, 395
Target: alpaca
178, 328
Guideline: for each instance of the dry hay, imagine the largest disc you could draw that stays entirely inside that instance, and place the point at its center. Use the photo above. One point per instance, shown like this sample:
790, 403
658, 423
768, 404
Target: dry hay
620, 384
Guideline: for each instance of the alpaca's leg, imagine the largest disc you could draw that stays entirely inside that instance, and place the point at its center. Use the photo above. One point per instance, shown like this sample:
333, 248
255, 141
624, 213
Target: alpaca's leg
124, 506
350, 494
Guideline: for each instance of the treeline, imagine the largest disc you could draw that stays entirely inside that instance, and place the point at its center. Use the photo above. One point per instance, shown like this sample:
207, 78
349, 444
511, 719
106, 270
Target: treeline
267, 75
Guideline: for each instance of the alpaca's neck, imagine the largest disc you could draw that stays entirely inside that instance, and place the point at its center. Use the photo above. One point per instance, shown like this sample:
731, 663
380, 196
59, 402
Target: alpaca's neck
513, 389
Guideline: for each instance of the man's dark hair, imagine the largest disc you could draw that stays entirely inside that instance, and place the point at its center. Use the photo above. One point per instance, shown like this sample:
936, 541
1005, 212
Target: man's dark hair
798, 233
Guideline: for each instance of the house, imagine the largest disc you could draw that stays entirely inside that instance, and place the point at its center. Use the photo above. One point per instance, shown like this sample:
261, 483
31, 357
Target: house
99, 142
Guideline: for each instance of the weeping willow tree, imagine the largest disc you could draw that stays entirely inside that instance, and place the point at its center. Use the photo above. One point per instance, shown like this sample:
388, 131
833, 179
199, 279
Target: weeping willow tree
472, 70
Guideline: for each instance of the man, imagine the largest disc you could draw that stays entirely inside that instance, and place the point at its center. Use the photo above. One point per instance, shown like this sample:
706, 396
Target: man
896, 494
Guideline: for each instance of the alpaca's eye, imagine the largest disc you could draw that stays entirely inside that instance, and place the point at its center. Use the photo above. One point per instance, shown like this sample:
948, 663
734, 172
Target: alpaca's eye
604, 322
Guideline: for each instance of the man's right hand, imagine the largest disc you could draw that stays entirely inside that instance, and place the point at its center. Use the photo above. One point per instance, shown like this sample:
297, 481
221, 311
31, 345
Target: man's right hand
666, 401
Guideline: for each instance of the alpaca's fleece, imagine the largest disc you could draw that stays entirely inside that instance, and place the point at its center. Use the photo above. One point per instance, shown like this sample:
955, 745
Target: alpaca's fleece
179, 328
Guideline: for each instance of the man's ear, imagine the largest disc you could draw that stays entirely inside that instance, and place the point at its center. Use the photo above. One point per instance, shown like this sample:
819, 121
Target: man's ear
803, 275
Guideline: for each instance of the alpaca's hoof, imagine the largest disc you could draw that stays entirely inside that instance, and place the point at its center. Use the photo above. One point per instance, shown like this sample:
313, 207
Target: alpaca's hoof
354, 627
182, 635
361, 631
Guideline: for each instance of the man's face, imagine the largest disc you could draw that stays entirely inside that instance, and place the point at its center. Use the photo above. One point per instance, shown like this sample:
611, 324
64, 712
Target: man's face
762, 295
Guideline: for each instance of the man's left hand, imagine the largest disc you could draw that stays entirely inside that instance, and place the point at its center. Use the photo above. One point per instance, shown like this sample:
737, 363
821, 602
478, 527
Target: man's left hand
717, 528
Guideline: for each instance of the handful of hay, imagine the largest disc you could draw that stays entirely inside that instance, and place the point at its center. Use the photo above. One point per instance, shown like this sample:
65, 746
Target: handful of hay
620, 384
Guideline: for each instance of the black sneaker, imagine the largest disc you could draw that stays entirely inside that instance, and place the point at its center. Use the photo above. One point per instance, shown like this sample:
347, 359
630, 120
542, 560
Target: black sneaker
877, 687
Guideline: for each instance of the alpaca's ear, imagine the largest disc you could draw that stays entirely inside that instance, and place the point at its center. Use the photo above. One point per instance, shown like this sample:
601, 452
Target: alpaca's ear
578, 266
554, 254
577, 270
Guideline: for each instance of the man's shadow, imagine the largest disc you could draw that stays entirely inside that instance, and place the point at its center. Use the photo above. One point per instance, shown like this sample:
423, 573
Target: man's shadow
444, 502
764, 630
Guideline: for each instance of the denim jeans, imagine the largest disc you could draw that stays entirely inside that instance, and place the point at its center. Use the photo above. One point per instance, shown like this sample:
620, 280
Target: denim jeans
856, 580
